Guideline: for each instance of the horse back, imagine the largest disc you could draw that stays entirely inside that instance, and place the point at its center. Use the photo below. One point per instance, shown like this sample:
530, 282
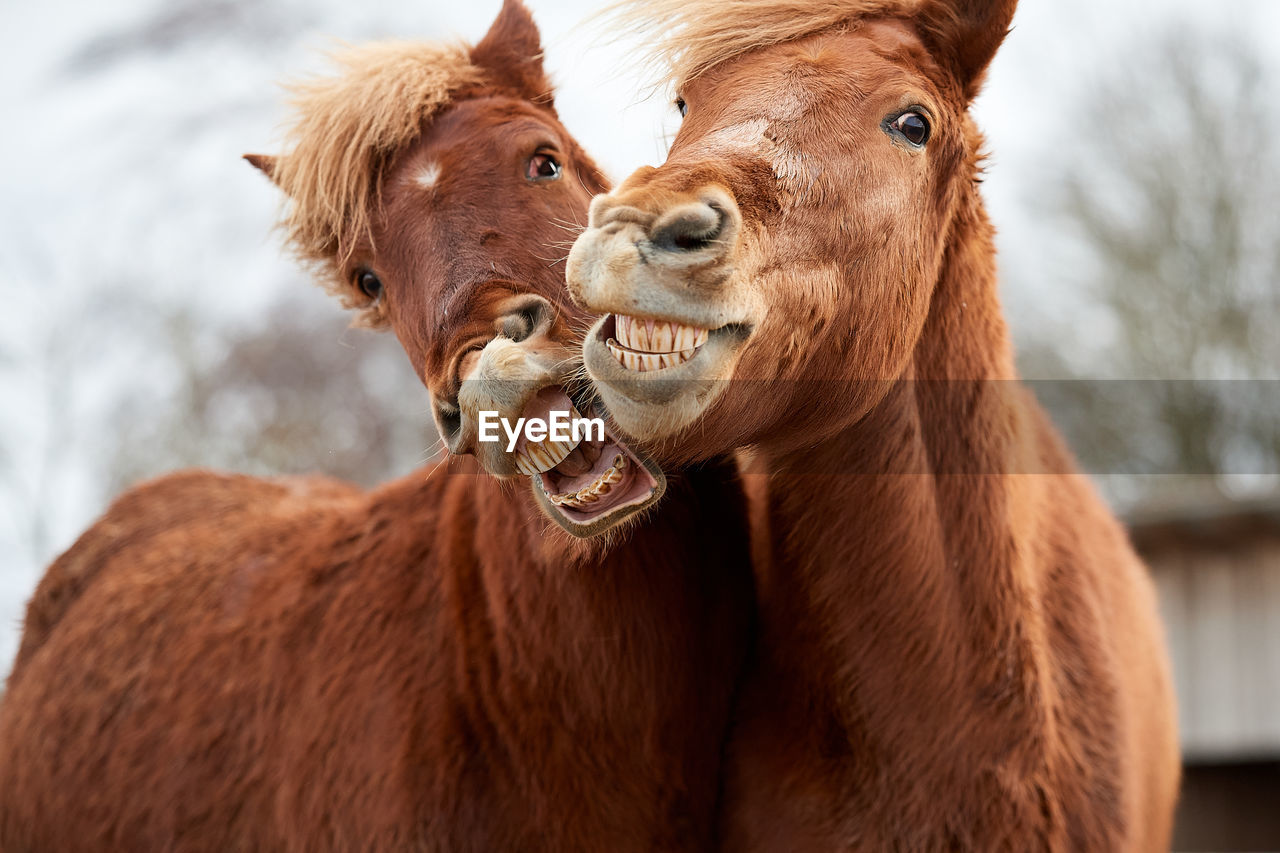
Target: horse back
196, 499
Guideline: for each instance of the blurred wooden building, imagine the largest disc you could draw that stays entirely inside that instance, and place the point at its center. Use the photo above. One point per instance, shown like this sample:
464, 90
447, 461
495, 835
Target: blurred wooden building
1217, 568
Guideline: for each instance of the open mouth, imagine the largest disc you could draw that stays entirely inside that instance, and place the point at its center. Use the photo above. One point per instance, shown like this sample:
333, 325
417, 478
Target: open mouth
655, 394
643, 345
590, 484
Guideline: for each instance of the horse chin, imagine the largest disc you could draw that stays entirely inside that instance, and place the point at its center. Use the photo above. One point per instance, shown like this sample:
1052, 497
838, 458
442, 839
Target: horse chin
655, 402
619, 484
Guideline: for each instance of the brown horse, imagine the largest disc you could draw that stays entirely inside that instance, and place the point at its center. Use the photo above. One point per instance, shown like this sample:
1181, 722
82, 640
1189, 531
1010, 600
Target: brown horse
227, 663
959, 649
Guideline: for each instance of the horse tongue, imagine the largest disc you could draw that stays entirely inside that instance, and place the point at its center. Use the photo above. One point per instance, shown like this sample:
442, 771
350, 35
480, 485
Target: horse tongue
576, 463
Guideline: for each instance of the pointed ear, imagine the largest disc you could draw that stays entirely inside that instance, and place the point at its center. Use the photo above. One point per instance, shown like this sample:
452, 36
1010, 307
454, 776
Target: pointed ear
965, 35
264, 163
512, 53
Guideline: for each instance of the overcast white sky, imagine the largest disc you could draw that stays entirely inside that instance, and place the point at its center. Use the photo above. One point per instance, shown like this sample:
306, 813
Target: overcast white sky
119, 168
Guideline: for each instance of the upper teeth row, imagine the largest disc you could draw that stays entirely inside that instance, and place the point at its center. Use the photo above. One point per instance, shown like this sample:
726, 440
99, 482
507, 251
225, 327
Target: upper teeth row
600, 487
657, 335
546, 454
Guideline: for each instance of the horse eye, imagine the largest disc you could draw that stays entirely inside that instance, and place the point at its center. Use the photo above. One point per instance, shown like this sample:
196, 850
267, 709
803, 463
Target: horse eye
370, 285
542, 167
912, 127
682, 107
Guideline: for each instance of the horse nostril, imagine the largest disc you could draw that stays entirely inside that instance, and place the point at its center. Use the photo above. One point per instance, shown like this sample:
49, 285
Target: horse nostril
532, 316
695, 228
449, 421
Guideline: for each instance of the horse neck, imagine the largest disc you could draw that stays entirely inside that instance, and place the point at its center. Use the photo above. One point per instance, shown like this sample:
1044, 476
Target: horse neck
535, 644
522, 592
903, 563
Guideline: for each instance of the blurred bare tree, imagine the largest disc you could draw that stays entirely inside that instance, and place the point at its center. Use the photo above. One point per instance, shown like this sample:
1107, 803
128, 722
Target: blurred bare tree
297, 393
1170, 197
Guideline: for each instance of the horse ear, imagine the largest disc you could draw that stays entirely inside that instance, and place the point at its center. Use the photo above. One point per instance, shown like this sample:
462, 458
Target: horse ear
512, 52
966, 34
264, 163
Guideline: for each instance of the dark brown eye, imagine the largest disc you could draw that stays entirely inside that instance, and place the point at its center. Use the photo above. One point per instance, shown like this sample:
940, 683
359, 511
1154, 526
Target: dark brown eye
682, 107
542, 167
912, 127
370, 285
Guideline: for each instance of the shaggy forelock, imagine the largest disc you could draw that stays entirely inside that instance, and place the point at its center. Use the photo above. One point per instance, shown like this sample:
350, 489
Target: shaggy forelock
346, 129
687, 37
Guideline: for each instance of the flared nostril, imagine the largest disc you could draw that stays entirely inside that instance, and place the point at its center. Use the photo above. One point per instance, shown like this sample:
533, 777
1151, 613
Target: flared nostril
449, 425
691, 229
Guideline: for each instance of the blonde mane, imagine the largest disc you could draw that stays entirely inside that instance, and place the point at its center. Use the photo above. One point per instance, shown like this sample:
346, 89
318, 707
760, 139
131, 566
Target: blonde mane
687, 37
346, 129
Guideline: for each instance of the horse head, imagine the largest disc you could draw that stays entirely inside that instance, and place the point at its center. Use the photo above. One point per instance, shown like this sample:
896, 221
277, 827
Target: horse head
435, 189
787, 250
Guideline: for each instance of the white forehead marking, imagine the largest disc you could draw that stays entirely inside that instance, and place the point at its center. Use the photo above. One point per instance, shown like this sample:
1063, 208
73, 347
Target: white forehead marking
747, 135
428, 176
793, 170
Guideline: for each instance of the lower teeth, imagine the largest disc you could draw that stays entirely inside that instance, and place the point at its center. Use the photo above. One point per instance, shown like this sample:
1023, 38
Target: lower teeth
592, 493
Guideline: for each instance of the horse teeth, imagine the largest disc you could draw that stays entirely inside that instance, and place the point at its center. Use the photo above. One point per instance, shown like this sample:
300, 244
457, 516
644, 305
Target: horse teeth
657, 336
543, 456
642, 362
595, 490
688, 338
637, 361
553, 451
625, 357
539, 455
622, 328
